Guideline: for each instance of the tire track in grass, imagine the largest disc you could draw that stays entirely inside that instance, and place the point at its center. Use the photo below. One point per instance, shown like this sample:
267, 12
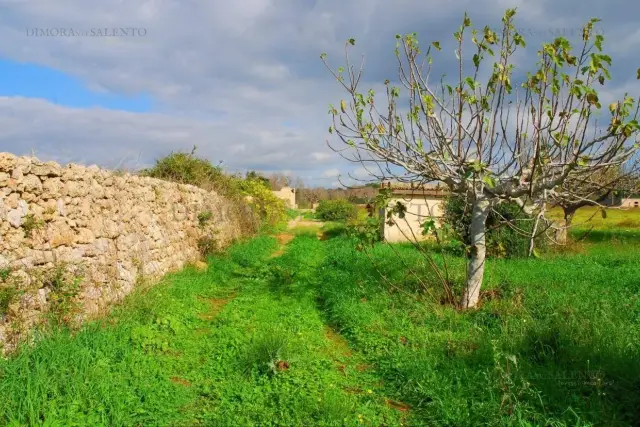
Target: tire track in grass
275, 314
361, 378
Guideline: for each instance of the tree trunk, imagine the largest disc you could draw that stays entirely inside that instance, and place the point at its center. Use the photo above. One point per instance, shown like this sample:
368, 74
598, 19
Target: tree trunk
475, 271
563, 232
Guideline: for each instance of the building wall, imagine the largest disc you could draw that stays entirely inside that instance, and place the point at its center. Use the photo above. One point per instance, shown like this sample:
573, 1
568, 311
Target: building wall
287, 194
109, 230
419, 210
630, 203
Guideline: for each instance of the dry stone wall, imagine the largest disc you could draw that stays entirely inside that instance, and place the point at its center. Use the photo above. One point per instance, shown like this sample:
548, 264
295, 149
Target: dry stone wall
108, 230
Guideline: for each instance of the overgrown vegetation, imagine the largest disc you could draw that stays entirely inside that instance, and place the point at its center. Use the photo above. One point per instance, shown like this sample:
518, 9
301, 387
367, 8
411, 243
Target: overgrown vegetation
204, 218
207, 245
30, 224
326, 335
336, 210
8, 294
252, 191
63, 285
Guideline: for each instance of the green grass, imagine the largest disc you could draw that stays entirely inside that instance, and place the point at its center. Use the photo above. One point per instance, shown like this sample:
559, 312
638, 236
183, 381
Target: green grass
316, 337
614, 219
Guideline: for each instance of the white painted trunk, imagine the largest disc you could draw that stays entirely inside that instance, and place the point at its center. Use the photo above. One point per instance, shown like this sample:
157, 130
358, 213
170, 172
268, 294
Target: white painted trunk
562, 234
475, 271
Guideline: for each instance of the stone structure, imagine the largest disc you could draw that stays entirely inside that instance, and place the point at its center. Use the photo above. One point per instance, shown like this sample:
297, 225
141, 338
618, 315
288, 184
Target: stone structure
287, 194
114, 229
422, 202
631, 202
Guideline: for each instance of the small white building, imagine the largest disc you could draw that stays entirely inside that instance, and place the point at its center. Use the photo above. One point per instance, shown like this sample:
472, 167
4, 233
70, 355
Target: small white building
422, 202
631, 202
287, 194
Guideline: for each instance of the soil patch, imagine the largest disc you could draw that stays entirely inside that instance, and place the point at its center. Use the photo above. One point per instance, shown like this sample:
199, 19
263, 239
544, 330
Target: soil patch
338, 343
283, 239
399, 406
181, 381
215, 307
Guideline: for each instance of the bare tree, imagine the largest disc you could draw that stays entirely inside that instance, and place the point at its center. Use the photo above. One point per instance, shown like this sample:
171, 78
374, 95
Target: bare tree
486, 141
279, 180
602, 189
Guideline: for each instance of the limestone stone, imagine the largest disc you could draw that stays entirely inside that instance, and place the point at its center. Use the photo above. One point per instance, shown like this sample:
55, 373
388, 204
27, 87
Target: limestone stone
51, 188
12, 200
15, 216
61, 234
17, 173
7, 162
61, 207
3, 209
48, 169
32, 184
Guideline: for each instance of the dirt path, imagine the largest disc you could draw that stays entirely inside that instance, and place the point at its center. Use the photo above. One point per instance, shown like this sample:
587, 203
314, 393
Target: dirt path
286, 237
301, 222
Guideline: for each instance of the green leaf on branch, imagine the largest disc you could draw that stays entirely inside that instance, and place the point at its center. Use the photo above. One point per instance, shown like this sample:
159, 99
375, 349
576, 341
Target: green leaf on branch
489, 180
476, 60
427, 226
471, 83
436, 45
352, 42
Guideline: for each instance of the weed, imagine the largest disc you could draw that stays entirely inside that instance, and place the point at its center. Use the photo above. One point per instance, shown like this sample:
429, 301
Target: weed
268, 353
334, 409
207, 245
8, 294
5, 273
30, 224
204, 218
64, 287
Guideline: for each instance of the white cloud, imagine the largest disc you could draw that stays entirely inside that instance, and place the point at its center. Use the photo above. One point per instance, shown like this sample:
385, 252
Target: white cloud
331, 173
320, 157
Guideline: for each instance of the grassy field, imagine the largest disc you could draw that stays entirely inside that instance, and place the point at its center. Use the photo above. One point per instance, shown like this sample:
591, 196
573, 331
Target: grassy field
314, 336
614, 219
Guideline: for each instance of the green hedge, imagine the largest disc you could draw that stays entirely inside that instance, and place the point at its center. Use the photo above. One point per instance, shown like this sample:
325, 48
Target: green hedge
336, 210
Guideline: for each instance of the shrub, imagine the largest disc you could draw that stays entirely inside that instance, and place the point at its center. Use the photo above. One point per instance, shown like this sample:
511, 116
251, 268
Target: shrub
270, 208
187, 168
336, 210
502, 239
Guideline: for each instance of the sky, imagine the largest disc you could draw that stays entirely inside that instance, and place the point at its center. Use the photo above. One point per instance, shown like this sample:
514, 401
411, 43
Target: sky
121, 83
